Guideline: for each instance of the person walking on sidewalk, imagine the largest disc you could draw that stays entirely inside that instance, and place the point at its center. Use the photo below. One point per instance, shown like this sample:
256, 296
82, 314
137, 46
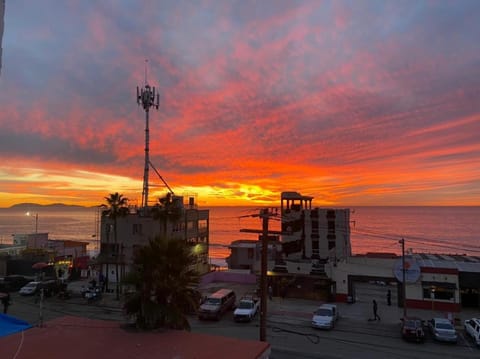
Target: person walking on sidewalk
375, 309
6, 302
270, 292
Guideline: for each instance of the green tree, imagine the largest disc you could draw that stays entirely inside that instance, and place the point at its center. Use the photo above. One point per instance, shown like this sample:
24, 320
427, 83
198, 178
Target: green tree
116, 207
165, 285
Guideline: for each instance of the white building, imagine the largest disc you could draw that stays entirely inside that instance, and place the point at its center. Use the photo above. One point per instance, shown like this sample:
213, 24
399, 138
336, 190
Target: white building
441, 282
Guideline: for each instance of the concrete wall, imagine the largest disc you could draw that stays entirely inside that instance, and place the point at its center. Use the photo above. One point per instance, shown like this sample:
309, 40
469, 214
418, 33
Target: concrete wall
229, 277
362, 266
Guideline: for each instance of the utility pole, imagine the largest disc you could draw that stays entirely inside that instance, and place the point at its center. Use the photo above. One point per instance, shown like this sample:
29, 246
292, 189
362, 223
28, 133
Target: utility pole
264, 214
40, 313
147, 98
404, 291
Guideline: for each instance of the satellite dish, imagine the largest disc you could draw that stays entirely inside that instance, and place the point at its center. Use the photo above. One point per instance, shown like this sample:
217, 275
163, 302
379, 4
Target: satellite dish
412, 270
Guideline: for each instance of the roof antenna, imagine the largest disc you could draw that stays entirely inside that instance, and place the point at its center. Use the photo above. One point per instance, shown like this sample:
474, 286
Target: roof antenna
146, 63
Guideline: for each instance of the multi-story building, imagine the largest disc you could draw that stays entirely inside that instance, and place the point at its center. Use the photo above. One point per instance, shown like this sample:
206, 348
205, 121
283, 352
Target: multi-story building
309, 239
178, 220
312, 236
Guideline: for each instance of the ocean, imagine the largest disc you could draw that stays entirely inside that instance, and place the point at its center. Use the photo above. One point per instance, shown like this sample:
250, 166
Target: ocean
447, 230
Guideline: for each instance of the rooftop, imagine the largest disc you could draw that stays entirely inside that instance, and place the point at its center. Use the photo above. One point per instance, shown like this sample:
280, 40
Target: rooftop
100, 339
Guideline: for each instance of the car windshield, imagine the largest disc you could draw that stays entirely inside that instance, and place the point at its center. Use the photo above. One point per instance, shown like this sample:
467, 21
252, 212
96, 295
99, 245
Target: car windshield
324, 312
412, 323
444, 326
245, 305
213, 301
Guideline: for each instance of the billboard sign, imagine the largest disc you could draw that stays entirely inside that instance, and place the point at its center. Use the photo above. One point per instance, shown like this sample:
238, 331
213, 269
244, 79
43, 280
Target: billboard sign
412, 270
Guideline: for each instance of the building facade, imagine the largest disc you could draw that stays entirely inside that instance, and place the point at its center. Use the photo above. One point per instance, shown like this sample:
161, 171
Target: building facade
177, 220
444, 282
312, 237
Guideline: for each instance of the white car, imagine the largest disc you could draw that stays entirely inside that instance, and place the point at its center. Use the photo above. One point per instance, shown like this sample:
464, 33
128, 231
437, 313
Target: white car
325, 316
247, 309
472, 328
442, 330
29, 288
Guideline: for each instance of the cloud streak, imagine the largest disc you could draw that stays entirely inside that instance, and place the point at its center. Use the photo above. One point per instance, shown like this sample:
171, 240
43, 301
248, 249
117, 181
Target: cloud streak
353, 103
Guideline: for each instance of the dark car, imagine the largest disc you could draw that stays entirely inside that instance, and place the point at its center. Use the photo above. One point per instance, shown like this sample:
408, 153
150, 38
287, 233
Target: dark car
15, 282
412, 329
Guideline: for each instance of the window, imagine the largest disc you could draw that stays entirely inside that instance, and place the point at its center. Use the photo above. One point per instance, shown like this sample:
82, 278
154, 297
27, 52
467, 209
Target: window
439, 293
202, 224
250, 253
137, 228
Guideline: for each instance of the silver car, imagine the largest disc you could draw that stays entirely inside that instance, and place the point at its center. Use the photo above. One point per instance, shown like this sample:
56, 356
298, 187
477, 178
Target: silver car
30, 288
443, 330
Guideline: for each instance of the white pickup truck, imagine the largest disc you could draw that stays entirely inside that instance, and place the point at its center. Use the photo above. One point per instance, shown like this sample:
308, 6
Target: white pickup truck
247, 308
325, 316
472, 328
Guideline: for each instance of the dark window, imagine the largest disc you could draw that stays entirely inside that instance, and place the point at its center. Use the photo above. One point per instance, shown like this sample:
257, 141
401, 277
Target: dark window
439, 293
137, 228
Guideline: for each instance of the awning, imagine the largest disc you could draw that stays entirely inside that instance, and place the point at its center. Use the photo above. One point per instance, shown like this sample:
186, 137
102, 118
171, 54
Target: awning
444, 285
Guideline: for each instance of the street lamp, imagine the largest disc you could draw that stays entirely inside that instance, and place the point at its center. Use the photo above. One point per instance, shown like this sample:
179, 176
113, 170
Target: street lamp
36, 220
404, 288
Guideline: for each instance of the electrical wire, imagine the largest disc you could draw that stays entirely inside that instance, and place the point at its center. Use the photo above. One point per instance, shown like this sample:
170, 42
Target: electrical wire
313, 338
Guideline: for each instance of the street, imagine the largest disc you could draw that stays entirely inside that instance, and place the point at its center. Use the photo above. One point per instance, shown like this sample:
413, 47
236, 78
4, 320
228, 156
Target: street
289, 335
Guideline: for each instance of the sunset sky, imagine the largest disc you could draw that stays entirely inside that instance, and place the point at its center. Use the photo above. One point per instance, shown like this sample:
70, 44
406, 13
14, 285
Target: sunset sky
352, 102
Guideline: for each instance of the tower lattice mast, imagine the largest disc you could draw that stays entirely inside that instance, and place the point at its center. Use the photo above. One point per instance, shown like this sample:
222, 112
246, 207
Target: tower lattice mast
147, 97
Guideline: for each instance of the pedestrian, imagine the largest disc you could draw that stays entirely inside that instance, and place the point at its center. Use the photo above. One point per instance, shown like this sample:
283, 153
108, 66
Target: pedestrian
270, 292
375, 308
389, 297
6, 302
101, 279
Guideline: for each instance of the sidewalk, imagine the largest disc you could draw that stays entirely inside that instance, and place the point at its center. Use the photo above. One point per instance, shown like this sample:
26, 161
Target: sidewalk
108, 299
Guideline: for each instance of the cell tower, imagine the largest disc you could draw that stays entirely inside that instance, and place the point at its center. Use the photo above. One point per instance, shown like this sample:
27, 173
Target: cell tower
147, 98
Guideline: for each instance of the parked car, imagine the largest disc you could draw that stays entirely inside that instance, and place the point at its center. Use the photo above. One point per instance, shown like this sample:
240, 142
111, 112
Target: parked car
30, 288
472, 328
412, 329
14, 282
247, 309
442, 330
325, 316
217, 304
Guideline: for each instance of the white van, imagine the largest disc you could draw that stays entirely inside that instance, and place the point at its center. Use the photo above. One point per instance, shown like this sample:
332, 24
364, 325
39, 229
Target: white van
217, 304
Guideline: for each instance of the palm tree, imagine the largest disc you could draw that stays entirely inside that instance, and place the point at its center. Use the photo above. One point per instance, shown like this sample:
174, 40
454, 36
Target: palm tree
116, 207
166, 211
165, 285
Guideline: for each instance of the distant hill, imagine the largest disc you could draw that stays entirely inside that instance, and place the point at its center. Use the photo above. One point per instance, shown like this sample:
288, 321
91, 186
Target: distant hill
25, 207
